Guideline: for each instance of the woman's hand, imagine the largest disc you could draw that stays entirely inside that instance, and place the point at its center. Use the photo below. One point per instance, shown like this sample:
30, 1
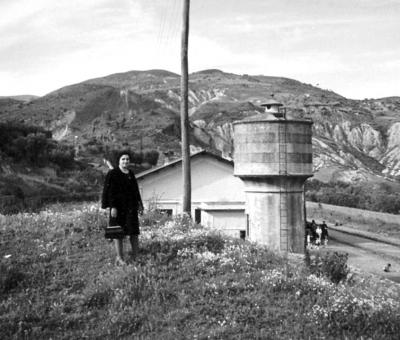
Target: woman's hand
140, 208
113, 212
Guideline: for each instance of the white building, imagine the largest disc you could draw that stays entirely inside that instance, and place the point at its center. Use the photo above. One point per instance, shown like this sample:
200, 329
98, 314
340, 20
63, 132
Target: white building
218, 198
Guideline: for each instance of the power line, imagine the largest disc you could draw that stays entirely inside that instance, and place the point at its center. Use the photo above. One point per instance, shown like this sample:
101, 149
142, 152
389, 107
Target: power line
175, 26
161, 30
168, 26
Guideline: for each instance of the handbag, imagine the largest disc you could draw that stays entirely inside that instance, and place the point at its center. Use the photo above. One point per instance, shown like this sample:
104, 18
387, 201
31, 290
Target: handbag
113, 231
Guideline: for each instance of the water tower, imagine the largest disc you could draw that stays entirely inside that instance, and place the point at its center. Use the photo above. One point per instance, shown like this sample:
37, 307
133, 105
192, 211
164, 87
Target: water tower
273, 157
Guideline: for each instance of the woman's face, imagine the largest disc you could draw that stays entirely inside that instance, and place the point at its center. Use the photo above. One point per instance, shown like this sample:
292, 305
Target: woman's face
124, 161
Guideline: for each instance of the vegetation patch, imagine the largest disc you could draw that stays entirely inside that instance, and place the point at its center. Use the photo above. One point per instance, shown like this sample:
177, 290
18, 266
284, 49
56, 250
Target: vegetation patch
189, 282
33, 146
379, 197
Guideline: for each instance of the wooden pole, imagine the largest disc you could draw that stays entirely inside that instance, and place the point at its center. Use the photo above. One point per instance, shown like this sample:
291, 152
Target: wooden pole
186, 203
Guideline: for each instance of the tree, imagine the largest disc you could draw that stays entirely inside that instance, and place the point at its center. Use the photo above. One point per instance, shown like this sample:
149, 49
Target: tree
151, 157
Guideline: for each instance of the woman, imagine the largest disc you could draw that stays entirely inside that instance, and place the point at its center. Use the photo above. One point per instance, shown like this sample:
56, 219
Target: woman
121, 194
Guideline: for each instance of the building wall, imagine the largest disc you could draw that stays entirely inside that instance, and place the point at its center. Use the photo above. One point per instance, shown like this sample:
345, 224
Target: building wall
212, 181
230, 222
216, 193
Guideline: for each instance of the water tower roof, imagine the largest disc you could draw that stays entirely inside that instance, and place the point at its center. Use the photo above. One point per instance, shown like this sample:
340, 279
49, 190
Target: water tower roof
269, 117
260, 116
271, 102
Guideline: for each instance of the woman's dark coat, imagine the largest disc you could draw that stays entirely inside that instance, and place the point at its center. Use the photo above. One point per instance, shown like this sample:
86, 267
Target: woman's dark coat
121, 191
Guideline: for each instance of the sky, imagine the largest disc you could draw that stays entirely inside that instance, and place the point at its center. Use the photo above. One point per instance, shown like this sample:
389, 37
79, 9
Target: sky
351, 47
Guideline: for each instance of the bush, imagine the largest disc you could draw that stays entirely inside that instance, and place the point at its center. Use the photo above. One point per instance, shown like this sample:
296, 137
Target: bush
33, 145
10, 278
151, 157
154, 217
137, 157
331, 265
62, 155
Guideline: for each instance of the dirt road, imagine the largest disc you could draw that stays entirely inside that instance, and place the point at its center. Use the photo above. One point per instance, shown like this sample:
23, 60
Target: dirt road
367, 255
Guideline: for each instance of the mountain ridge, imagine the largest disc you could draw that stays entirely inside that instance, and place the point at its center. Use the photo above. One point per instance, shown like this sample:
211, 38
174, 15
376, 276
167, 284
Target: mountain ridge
140, 109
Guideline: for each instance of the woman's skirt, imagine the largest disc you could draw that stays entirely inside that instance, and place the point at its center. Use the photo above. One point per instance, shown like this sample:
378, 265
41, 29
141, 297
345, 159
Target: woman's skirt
128, 220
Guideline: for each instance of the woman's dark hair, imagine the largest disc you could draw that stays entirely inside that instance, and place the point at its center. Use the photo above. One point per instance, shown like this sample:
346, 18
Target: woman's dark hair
119, 154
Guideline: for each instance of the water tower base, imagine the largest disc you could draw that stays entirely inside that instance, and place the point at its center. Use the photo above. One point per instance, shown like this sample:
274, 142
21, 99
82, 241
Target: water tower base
275, 207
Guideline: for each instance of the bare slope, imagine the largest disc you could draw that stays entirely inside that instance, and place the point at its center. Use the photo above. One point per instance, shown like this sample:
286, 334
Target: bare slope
355, 140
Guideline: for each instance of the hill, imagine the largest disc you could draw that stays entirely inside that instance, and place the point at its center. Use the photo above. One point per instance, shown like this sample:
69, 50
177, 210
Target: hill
353, 141
21, 98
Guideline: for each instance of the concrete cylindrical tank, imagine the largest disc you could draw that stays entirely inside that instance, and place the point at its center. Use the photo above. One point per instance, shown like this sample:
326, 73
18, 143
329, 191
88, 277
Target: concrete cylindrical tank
273, 156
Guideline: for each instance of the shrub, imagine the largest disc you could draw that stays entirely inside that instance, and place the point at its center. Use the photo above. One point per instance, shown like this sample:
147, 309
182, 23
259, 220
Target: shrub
331, 265
10, 278
62, 155
151, 157
137, 157
33, 145
153, 217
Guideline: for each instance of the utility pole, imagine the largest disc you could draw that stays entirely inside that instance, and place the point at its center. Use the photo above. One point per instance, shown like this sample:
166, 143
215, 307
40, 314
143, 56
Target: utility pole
187, 190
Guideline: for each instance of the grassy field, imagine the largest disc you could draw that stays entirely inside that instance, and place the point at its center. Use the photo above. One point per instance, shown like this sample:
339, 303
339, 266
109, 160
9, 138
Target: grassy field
58, 281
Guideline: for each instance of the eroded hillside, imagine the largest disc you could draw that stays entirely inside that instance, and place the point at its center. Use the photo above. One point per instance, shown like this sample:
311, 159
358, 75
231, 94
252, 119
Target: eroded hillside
353, 140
